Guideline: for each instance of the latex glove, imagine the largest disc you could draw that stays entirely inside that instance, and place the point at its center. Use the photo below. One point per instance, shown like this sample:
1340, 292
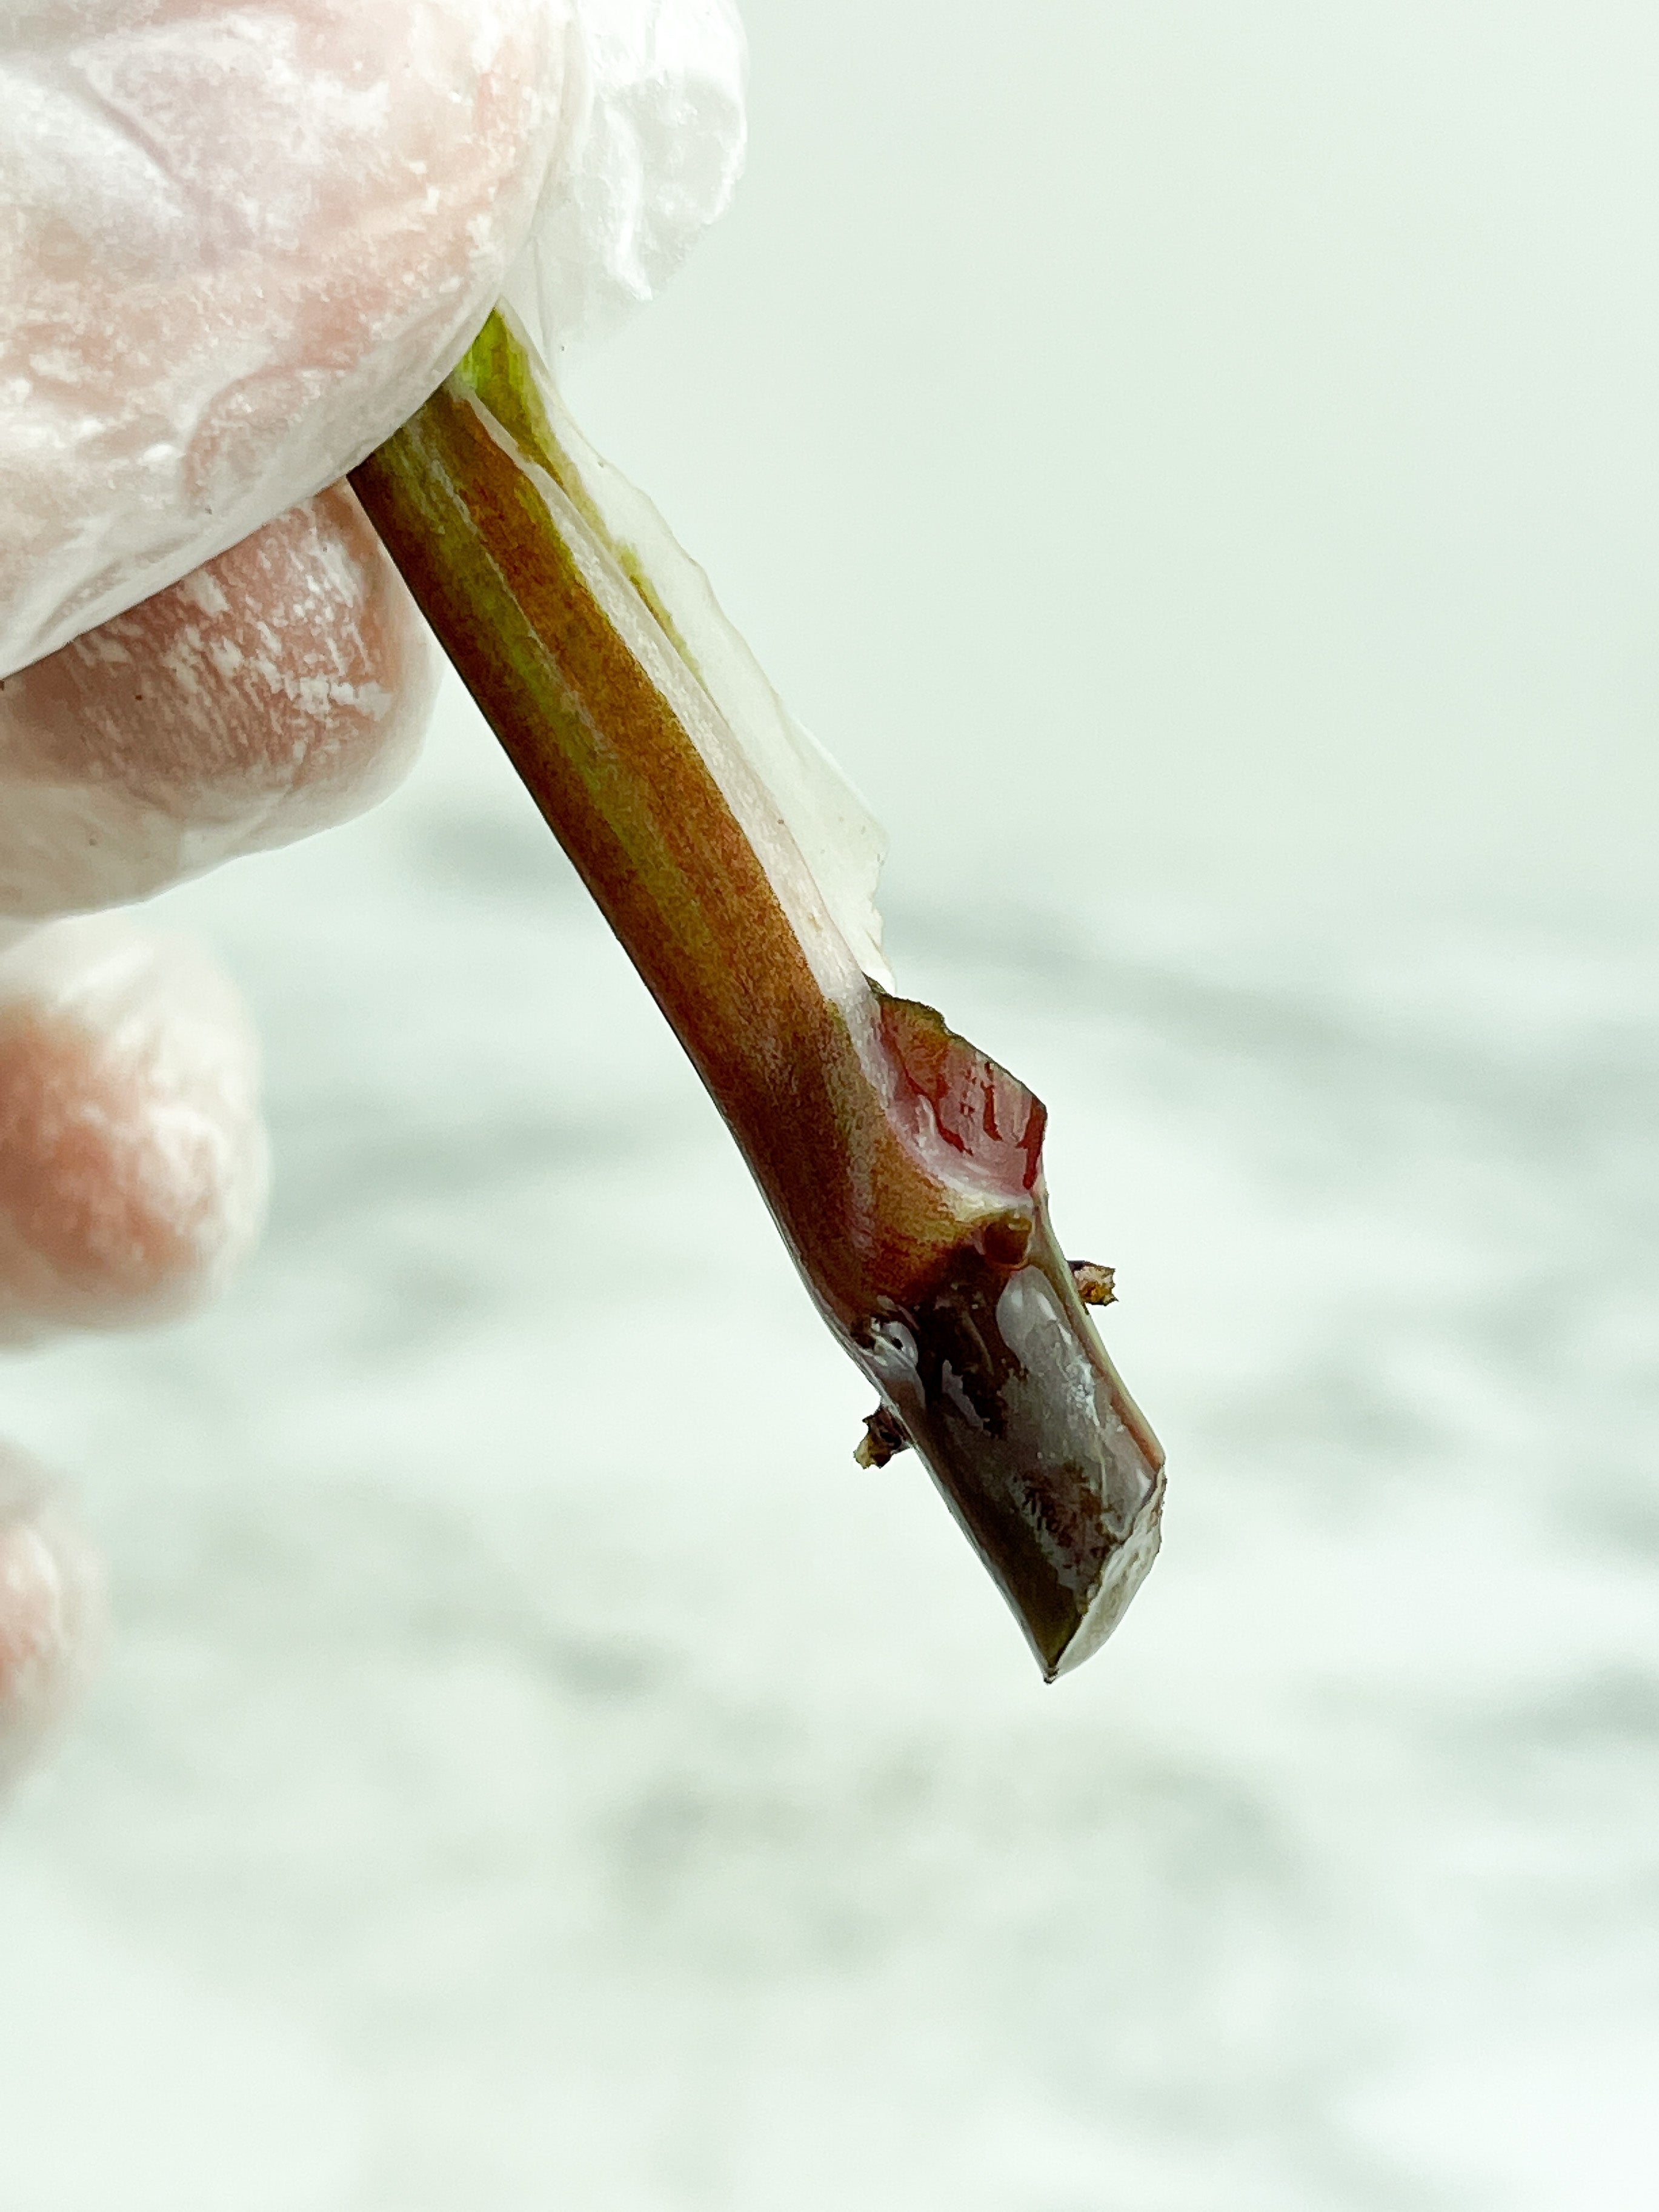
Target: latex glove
238, 245
51, 1611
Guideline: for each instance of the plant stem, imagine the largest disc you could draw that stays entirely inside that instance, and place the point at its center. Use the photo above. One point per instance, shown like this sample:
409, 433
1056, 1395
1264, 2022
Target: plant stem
901, 1166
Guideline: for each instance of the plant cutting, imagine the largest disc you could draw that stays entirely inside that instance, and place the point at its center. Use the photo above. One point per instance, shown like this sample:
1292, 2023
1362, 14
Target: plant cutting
903, 1167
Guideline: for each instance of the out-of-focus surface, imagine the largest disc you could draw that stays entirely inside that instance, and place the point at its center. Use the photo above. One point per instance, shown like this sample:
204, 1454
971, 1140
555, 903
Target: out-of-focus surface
1230, 428
535, 1767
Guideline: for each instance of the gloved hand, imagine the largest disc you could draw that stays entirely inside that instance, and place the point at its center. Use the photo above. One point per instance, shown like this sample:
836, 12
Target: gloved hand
239, 245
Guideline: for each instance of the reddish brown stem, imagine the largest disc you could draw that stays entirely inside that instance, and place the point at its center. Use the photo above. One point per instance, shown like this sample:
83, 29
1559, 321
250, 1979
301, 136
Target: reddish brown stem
902, 1167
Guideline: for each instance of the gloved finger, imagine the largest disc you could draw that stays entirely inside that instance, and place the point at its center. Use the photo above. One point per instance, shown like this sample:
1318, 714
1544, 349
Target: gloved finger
240, 246
280, 689
52, 1611
133, 1161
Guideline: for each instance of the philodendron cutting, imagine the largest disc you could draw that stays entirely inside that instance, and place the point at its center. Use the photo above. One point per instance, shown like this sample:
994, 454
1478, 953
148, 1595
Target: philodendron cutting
903, 1167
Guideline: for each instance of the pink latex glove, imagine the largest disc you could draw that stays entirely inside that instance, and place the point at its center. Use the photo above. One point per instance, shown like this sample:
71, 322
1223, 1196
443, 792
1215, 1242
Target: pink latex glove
239, 245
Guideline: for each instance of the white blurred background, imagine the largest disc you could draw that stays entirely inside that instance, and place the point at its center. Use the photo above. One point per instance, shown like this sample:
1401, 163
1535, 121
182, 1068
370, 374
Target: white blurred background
1195, 464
